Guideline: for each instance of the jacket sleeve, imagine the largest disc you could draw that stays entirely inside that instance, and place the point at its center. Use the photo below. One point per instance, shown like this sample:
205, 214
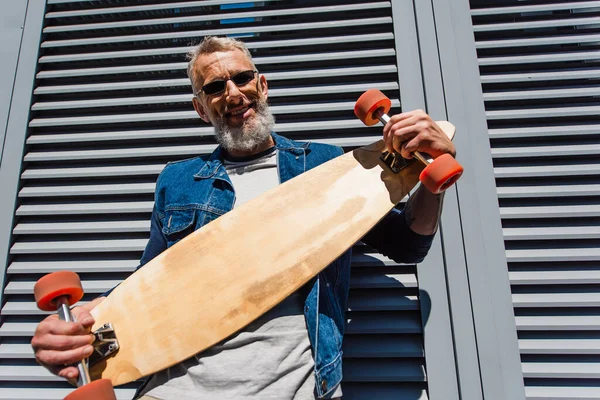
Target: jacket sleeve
156, 244
394, 239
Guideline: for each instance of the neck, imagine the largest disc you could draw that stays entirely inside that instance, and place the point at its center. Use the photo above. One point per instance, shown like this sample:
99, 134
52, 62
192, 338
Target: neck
247, 153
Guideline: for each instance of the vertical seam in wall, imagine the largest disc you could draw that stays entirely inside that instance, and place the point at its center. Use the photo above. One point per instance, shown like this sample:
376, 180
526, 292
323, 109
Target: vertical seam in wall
451, 315
420, 53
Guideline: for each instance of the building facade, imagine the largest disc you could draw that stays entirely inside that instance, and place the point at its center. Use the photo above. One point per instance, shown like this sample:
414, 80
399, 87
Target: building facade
506, 306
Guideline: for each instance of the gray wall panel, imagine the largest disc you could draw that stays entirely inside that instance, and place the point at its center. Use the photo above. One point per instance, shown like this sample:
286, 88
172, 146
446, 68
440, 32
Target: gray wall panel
539, 69
479, 229
11, 31
415, 65
17, 120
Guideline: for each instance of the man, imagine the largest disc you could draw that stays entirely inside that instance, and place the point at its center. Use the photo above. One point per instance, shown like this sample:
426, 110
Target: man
293, 351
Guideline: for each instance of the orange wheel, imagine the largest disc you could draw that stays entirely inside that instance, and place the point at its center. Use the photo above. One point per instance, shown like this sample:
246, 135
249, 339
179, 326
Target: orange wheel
441, 173
98, 390
368, 103
51, 286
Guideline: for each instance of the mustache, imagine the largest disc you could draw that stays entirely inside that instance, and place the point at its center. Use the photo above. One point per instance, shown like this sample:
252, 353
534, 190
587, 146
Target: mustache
230, 107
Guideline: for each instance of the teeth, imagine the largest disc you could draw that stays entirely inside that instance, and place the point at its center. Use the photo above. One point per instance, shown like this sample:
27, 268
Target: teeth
240, 111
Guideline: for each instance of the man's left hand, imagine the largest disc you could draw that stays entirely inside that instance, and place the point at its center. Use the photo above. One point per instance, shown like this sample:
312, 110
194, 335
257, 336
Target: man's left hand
413, 131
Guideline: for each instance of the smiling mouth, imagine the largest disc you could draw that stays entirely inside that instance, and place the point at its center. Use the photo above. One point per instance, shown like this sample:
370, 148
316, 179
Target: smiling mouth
239, 111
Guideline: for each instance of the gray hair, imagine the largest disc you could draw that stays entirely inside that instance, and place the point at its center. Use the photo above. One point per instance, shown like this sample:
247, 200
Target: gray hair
212, 44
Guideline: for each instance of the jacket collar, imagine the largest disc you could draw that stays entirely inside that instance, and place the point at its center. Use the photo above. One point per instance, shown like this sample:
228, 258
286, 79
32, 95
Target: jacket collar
215, 160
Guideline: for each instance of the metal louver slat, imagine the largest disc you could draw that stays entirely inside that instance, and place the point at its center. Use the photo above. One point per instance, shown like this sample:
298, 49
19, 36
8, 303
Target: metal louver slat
93, 172
561, 370
556, 255
541, 76
553, 233
538, 41
539, 70
554, 277
182, 115
509, 26
182, 66
217, 17
80, 246
119, 102
562, 393
181, 50
135, 9
550, 211
217, 32
558, 170
26, 287
560, 346
82, 227
181, 133
554, 323
543, 130
524, 8
43, 267
88, 208
539, 58
111, 107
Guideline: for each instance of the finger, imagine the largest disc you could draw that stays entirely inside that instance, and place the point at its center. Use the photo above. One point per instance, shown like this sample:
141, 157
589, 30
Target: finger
60, 342
83, 316
409, 147
394, 120
400, 148
401, 135
70, 373
434, 147
56, 359
58, 327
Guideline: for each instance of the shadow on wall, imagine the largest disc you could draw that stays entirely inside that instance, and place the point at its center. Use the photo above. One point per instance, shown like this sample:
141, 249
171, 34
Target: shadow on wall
383, 345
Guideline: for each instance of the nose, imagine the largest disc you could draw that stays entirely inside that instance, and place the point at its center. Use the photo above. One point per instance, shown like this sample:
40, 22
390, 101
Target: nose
232, 92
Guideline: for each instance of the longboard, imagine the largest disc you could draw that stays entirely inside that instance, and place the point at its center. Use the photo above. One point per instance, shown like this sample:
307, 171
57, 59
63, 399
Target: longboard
204, 288
223, 276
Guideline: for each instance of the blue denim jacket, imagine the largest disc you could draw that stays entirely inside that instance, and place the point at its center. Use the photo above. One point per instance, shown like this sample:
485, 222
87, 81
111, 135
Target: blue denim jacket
191, 193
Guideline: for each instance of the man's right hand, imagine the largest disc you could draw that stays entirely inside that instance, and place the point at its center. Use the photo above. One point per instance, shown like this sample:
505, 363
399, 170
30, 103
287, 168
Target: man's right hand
59, 344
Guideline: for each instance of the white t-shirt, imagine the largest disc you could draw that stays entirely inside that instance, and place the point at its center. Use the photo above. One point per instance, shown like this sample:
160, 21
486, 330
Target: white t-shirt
269, 359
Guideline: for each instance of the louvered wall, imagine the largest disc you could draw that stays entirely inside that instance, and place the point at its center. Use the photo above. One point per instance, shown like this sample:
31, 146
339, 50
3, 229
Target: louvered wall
540, 70
112, 105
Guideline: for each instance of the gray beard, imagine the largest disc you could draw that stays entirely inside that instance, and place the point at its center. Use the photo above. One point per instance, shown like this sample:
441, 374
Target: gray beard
251, 135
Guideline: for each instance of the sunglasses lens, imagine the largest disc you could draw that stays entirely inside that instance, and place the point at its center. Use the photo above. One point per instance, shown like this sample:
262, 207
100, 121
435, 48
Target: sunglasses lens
243, 77
214, 87
218, 86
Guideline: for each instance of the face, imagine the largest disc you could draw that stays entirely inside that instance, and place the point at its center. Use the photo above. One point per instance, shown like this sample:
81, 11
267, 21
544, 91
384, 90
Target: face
240, 114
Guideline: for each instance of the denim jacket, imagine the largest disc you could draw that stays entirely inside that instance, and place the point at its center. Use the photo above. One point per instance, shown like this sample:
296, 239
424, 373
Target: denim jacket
191, 193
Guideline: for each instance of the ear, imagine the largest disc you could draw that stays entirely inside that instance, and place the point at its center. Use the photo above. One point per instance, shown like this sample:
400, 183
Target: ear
264, 87
200, 109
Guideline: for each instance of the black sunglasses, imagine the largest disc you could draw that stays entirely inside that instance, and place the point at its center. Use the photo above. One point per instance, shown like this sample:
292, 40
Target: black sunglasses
218, 86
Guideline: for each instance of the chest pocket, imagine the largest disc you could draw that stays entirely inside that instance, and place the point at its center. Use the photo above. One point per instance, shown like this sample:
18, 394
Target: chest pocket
178, 223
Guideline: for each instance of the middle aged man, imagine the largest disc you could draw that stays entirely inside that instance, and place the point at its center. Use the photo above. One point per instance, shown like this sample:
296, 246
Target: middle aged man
295, 350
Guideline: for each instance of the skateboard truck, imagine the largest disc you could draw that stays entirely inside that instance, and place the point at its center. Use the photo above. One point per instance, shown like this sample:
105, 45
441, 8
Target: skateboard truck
439, 174
105, 344
395, 161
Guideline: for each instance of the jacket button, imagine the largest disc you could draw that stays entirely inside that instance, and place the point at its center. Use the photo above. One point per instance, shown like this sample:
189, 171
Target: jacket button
324, 385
